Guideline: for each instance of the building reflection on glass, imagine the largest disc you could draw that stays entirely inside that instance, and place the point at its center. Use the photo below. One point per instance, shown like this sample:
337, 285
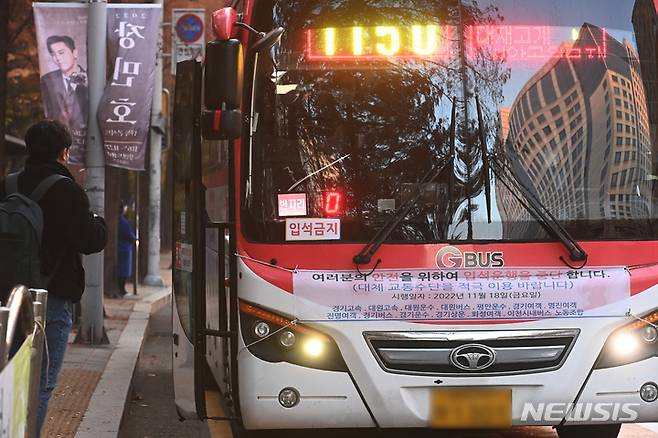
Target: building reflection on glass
579, 134
645, 24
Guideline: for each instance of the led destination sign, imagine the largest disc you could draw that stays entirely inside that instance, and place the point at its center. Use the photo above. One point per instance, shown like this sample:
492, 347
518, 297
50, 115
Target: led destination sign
435, 42
378, 42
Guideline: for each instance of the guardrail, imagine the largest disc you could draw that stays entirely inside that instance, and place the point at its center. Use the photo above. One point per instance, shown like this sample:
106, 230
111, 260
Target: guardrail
22, 340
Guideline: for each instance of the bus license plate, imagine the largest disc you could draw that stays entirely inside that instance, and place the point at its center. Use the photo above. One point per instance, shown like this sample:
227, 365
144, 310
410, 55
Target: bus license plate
471, 408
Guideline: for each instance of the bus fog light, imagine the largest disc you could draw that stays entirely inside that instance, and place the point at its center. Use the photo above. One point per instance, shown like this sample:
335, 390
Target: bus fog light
649, 392
287, 339
289, 397
313, 347
624, 343
650, 334
261, 329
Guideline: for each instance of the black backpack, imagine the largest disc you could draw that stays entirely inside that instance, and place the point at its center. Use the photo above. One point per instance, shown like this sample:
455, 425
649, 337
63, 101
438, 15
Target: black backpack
21, 229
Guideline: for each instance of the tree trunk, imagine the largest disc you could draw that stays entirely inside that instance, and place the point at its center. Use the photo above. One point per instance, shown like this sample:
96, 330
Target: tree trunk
4, 49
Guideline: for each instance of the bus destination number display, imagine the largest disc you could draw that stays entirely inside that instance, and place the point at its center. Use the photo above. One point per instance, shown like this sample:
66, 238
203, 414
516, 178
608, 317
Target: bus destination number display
437, 42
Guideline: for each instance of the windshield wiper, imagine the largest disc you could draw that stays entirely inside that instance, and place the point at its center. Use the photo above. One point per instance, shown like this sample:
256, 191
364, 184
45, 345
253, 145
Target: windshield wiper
543, 215
365, 255
322, 169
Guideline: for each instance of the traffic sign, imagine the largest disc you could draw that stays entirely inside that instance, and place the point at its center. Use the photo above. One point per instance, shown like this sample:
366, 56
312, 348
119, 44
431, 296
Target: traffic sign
189, 28
188, 35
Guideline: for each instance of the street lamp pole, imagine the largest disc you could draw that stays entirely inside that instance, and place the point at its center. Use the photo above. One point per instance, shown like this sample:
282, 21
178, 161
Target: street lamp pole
92, 328
153, 277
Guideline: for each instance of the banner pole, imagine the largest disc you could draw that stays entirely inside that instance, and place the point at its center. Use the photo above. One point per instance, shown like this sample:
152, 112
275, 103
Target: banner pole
153, 277
92, 328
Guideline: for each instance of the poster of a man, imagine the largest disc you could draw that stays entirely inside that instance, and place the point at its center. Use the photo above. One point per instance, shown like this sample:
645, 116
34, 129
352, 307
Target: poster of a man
62, 45
64, 90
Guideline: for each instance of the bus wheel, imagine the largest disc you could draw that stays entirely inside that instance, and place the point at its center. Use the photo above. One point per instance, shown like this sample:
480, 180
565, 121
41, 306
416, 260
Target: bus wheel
589, 431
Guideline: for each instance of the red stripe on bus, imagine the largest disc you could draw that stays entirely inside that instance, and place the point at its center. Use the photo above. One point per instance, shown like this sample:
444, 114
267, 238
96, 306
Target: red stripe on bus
517, 256
217, 120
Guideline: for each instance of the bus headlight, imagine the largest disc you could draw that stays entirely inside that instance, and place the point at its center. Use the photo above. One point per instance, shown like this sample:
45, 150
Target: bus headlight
624, 343
313, 347
261, 329
650, 334
631, 343
287, 341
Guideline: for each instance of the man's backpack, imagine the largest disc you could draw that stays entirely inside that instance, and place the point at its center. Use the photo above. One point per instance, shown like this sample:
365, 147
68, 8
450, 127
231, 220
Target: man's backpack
21, 229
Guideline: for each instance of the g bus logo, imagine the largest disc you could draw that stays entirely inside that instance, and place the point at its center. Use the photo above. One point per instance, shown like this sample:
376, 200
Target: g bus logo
451, 257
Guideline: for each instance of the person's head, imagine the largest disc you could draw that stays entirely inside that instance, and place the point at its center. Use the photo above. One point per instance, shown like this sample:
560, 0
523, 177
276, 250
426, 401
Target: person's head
62, 50
48, 140
123, 208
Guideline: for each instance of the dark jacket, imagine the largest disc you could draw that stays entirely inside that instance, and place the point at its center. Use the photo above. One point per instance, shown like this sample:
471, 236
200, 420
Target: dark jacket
69, 228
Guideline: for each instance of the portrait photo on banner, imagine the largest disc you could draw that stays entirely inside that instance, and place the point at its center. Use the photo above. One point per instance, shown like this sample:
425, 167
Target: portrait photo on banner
62, 46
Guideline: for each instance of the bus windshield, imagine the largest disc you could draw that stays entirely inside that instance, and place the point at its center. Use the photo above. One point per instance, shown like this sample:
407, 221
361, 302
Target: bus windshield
354, 108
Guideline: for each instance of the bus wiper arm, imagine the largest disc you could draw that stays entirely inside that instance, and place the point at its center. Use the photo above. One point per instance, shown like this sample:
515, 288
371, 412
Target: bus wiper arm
537, 209
365, 255
322, 169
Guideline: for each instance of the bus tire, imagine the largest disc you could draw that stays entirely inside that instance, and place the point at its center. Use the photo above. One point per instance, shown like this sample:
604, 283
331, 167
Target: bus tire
589, 431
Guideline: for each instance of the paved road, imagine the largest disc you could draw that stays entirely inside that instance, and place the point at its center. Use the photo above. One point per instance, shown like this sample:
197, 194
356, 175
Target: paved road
151, 412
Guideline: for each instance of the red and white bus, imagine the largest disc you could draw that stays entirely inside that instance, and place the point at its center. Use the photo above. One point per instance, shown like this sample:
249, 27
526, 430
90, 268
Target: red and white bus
439, 214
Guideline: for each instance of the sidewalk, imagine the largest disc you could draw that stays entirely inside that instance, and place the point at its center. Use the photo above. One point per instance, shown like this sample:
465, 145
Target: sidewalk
85, 365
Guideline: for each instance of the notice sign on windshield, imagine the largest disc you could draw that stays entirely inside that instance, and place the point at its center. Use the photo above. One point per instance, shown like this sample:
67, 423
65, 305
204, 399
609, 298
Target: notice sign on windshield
312, 229
460, 294
292, 204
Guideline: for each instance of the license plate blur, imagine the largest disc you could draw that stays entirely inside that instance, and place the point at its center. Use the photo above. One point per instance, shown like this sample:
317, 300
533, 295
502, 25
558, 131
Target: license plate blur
471, 408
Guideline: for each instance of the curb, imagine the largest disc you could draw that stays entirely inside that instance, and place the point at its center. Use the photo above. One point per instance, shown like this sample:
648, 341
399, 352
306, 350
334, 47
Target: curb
103, 416
653, 427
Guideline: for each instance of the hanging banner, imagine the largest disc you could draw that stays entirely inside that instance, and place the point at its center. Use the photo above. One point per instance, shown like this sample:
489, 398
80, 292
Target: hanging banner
461, 294
61, 30
124, 114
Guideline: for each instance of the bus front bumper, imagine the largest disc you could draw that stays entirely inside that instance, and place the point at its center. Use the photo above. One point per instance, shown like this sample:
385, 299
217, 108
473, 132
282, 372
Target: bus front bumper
329, 399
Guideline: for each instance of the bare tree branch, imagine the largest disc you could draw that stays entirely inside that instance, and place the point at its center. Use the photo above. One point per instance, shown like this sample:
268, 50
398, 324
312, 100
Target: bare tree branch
21, 27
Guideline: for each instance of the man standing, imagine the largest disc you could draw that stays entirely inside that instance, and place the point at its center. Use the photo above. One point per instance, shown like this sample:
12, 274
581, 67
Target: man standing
69, 230
64, 91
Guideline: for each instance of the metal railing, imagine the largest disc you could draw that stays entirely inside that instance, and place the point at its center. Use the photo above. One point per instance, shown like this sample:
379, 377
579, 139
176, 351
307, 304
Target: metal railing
25, 315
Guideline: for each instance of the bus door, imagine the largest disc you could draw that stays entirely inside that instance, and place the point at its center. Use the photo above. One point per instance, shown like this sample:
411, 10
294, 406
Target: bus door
218, 308
204, 306
187, 250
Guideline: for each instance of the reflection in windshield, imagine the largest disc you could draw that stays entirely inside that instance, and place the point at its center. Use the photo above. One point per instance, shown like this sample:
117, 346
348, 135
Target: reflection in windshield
580, 133
568, 104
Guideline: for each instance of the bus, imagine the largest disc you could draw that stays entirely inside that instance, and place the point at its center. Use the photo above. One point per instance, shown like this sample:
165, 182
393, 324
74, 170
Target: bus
418, 214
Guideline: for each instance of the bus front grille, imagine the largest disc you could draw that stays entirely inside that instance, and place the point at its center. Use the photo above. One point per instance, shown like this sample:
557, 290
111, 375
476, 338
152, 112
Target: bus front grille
472, 353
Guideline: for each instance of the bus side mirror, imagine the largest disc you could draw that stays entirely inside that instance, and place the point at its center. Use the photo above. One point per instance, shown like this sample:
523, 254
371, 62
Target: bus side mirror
268, 40
222, 82
223, 23
223, 74
221, 125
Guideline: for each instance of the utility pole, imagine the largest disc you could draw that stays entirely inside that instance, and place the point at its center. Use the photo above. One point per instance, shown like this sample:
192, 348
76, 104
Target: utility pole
92, 329
153, 277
